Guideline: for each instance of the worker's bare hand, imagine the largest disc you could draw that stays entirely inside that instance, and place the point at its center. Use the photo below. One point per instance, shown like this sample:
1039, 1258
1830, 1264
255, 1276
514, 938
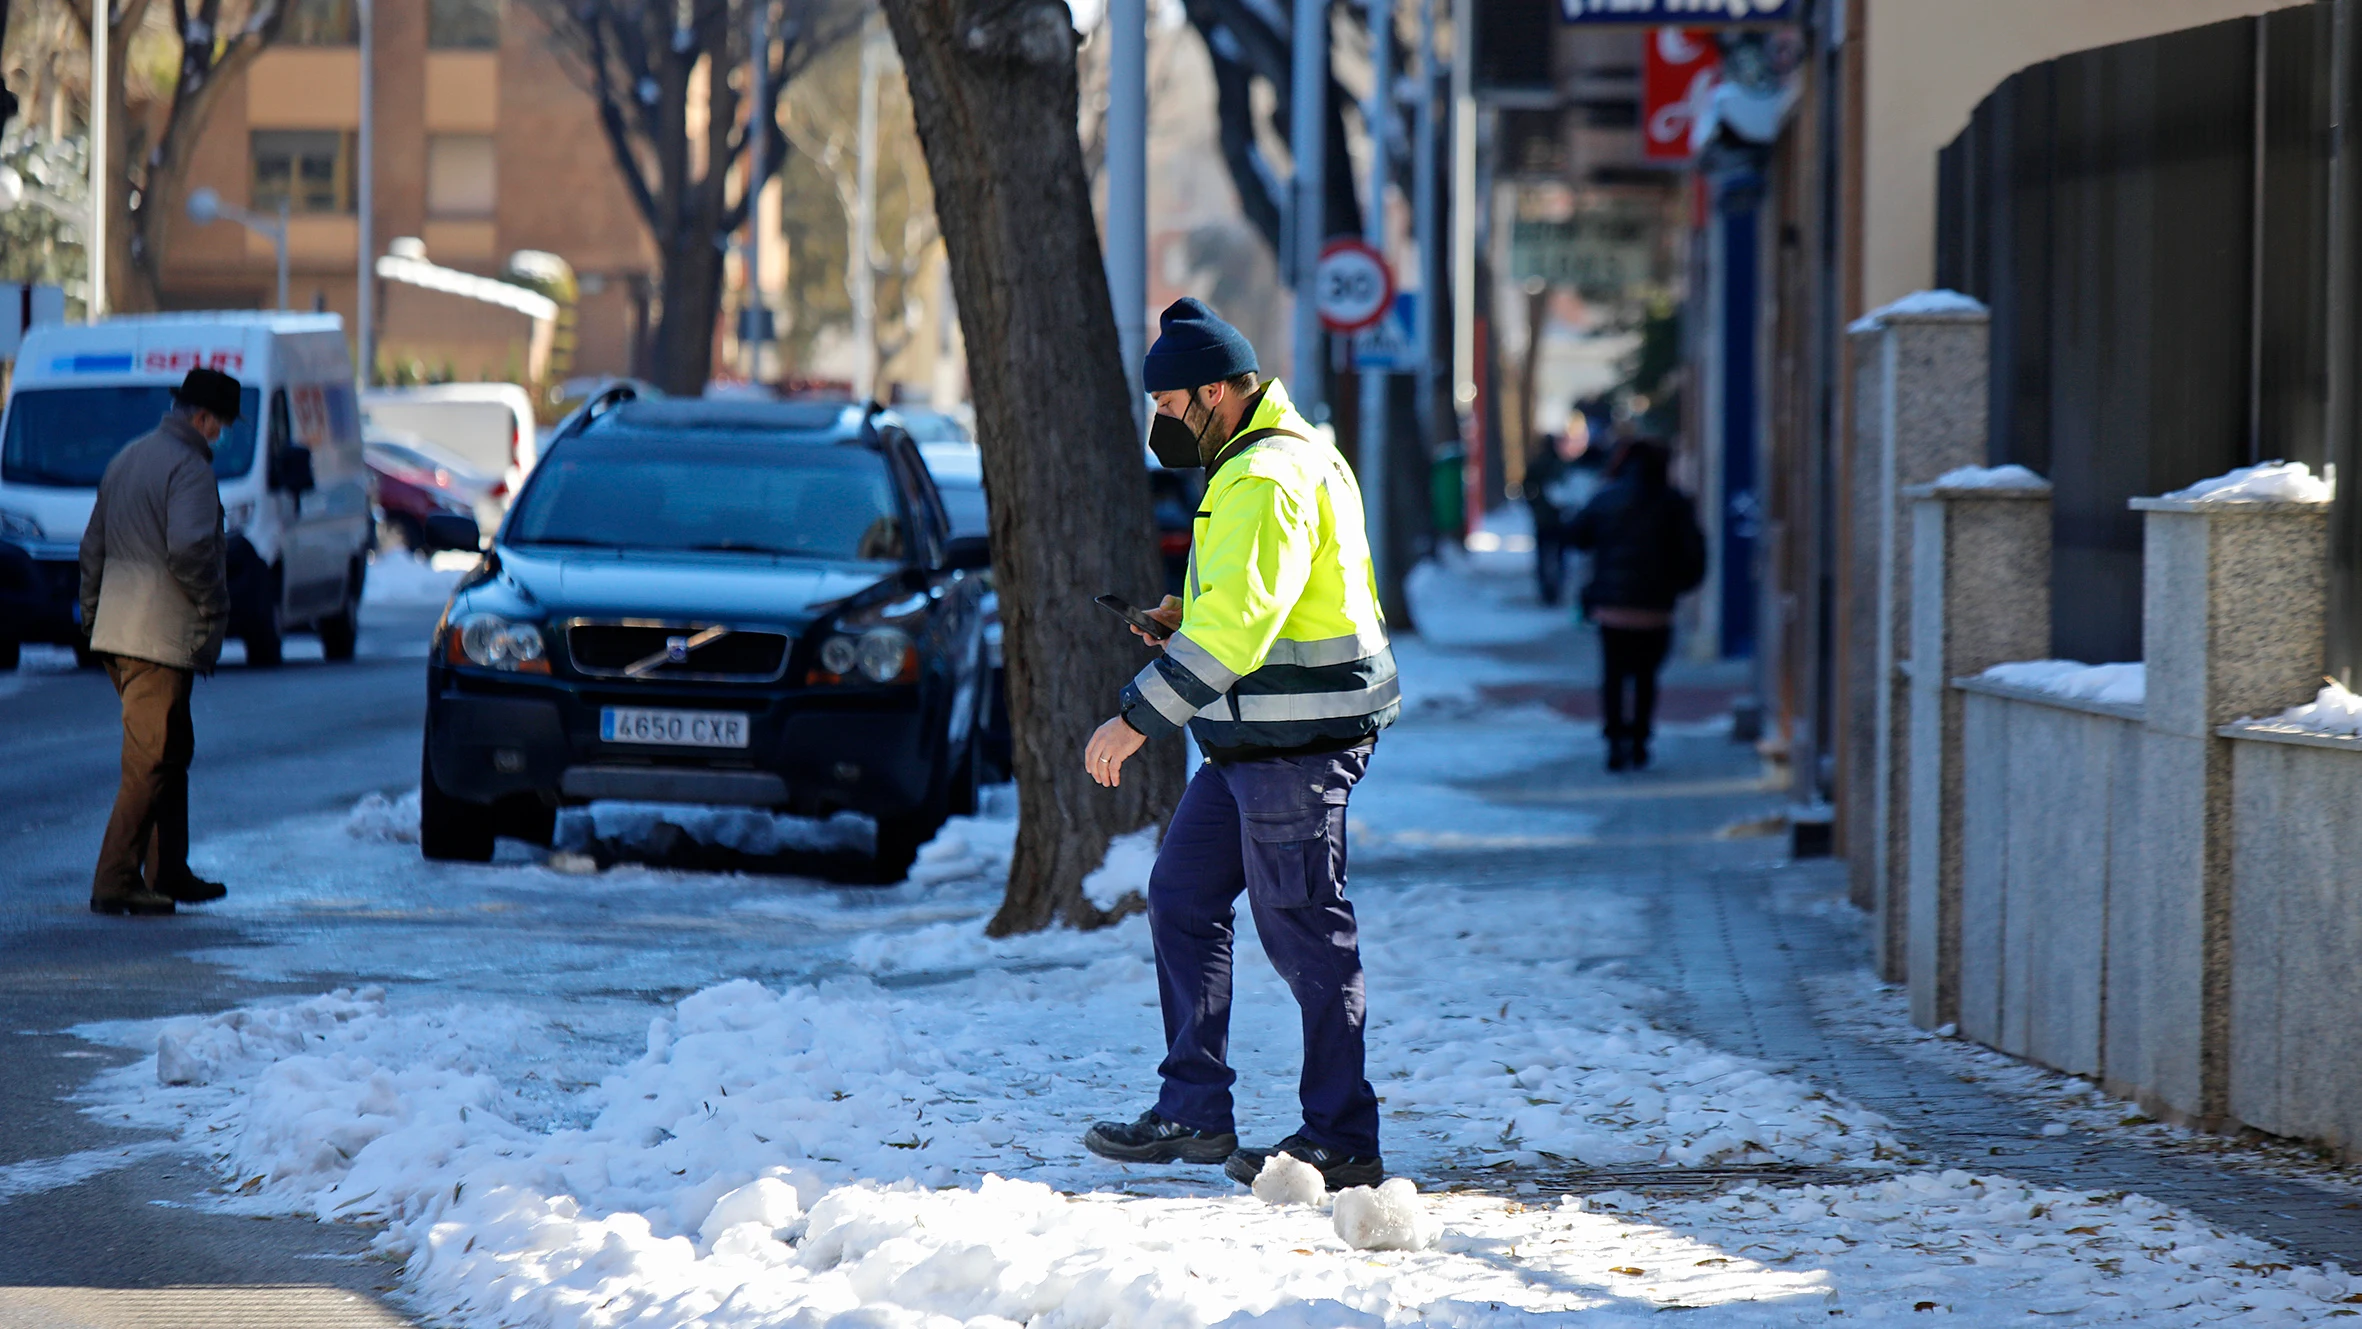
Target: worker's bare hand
1110, 745
1167, 613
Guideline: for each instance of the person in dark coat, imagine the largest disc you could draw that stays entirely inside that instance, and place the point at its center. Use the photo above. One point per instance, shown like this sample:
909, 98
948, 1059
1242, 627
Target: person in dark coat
155, 600
1646, 552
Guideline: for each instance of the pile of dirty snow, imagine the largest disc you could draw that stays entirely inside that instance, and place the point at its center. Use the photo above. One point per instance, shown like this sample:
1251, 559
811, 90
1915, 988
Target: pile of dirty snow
384, 820
2271, 482
2113, 684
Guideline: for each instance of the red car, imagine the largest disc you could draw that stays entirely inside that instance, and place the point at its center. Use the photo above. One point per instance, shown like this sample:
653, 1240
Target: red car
426, 498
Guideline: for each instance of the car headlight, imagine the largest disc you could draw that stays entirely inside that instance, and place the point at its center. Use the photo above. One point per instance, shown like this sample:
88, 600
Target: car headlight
885, 654
881, 655
497, 643
839, 655
18, 526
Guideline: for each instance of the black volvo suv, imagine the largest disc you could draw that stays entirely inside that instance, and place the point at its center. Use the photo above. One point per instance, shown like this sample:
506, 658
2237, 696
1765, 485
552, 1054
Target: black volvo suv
712, 602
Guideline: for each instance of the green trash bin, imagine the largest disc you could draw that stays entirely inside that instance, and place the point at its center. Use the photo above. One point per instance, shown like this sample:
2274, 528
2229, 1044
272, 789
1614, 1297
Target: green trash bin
1447, 490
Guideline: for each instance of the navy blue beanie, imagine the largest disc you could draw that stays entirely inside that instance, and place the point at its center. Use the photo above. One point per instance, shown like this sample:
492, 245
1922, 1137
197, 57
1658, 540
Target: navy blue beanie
1195, 348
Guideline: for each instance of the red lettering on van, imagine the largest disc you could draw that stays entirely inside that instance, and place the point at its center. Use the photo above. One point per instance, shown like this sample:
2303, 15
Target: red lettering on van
181, 361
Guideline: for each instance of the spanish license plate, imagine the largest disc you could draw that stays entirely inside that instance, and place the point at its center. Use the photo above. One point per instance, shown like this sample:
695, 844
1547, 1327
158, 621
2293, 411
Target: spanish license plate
680, 729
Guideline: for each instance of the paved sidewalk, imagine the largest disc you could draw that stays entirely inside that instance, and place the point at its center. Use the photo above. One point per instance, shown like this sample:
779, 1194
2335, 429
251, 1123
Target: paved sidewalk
1738, 934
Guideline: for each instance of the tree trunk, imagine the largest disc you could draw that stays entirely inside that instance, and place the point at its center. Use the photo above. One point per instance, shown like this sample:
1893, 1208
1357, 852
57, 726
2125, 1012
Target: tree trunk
692, 292
992, 83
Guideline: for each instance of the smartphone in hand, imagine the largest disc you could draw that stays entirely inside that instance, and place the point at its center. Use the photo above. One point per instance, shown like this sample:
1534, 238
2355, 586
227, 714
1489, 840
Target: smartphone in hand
1123, 609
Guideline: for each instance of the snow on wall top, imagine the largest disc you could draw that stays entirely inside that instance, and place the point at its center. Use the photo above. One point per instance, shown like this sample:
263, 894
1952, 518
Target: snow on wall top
1991, 477
2335, 713
2109, 684
2271, 482
1918, 302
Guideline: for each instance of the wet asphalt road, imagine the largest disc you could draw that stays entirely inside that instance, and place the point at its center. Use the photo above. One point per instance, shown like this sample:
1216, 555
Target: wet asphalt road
305, 738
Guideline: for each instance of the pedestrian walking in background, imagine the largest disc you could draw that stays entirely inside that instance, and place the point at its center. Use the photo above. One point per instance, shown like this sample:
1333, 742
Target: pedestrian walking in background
1278, 663
155, 601
1560, 478
1646, 552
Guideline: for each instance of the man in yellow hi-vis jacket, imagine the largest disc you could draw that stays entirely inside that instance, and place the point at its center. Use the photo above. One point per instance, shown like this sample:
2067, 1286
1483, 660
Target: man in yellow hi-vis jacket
1279, 666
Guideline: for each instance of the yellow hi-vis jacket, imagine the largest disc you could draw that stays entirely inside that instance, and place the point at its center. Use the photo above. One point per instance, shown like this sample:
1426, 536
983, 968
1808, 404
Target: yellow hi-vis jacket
1281, 646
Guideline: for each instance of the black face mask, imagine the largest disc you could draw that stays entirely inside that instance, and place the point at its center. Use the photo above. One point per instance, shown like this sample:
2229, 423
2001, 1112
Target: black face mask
1175, 444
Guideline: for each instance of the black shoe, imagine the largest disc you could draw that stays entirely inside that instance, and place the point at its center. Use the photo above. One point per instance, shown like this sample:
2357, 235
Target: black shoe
1335, 1166
132, 902
1618, 756
1152, 1139
194, 889
1640, 754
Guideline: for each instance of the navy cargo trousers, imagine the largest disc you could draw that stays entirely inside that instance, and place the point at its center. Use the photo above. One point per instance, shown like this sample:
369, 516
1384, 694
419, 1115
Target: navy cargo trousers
1274, 829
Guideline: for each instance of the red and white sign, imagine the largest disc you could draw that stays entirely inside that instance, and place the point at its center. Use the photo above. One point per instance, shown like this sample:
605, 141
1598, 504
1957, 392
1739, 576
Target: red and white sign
1352, 287
1678, 71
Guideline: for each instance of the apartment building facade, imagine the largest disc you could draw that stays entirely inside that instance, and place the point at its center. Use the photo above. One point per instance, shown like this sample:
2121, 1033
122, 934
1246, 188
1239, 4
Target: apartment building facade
484, 146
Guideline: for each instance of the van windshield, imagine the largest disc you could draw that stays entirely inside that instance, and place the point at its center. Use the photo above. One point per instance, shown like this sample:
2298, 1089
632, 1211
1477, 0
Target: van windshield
66, 436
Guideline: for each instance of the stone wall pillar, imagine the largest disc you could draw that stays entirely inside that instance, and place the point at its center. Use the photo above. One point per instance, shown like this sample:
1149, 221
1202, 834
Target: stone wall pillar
1919, 411
2234, 617
1980, 596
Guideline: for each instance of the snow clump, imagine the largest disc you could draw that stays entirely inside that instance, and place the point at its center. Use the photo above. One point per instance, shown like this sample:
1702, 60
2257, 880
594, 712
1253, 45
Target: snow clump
1286, 1179
2271, 482
1125, 869
383, 820
2011, 476
2111, 684
2335, 712
1918, 303
1390, 1218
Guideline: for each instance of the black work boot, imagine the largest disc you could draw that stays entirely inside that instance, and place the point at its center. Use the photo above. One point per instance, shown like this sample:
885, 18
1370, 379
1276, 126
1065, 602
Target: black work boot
193, 889
1335, 1166
1152, 1139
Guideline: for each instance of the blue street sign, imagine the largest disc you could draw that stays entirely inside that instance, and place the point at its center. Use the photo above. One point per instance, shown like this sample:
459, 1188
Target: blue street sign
1684, 13
1389, 345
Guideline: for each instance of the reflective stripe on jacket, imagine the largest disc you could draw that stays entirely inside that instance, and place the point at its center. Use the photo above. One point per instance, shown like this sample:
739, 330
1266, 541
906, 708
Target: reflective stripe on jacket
1281, 643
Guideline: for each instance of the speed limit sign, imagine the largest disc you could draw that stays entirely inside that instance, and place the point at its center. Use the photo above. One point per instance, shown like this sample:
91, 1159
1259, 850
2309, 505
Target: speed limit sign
1352, 288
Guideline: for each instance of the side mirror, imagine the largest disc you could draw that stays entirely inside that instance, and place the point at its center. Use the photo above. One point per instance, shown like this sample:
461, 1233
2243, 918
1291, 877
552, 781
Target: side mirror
291, 469
967, 553
451, 530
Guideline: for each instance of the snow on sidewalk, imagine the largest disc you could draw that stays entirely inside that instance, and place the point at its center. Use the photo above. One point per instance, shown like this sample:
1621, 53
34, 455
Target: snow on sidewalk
890, 1137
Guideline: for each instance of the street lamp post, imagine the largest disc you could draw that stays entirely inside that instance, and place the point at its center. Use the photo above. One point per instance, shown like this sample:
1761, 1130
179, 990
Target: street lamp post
365, 289
1308, 104
206, 207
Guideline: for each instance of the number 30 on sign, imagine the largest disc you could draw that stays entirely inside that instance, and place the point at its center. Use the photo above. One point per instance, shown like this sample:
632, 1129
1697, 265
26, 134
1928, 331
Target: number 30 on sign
1352, 287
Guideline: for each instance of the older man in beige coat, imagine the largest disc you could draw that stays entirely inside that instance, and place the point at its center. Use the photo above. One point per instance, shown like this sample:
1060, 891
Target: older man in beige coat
155, 600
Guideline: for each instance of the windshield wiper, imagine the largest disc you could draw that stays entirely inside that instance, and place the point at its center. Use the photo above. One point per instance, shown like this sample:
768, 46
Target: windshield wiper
572, 541
743, 547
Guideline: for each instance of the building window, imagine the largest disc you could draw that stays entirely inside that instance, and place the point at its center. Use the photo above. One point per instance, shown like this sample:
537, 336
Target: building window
311, 169
463, 25
460, 176
323, 23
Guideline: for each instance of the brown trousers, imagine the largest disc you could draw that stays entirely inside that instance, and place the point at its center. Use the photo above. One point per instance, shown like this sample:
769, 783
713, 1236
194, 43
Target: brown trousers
150, 826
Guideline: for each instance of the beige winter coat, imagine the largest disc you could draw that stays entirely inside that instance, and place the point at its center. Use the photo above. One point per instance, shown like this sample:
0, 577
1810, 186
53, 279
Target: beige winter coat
154, 583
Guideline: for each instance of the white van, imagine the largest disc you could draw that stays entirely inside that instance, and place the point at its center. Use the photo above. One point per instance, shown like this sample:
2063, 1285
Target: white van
293, 488
487, 425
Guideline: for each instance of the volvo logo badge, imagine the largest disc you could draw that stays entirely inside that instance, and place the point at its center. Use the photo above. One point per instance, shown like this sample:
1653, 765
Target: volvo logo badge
676, 650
